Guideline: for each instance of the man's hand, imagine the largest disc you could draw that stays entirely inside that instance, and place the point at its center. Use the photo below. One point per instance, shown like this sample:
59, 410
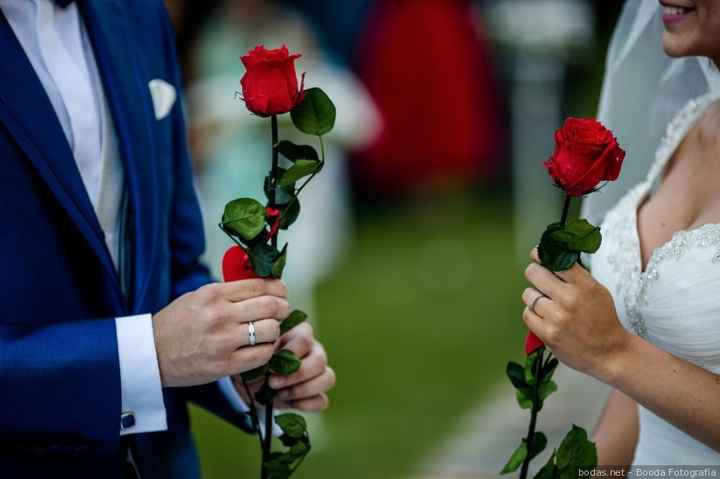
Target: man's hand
203, 336
304, 390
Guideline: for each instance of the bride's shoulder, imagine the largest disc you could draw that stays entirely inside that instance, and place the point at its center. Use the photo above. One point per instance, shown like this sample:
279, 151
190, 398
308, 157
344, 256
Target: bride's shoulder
708, 129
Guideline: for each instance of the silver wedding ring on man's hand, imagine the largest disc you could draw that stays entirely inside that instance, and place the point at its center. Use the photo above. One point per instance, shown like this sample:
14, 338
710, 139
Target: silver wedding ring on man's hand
252, 336
535, 301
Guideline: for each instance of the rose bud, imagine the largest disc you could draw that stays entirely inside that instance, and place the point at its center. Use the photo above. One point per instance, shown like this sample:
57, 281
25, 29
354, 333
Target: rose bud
236, 265
532, 343
270, 85
586, 153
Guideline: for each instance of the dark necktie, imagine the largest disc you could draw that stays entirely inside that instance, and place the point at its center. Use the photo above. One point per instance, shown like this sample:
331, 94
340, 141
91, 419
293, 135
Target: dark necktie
63, 3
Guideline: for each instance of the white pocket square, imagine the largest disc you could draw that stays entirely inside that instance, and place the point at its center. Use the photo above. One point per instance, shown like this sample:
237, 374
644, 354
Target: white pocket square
163, 97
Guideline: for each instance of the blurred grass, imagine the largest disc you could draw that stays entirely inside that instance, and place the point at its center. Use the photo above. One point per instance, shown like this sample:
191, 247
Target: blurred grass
419, 321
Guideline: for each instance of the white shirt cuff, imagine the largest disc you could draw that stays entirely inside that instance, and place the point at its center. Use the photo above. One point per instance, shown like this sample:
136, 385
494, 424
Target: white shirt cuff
140, 382
227, 387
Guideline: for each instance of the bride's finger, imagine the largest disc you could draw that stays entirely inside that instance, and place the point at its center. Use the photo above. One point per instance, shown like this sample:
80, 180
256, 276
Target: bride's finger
534, 255
534, 323
546, 282
575, 275
536, 301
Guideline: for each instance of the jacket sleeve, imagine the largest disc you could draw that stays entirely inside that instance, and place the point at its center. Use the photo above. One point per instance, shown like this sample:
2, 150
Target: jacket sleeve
187, 236
59, 385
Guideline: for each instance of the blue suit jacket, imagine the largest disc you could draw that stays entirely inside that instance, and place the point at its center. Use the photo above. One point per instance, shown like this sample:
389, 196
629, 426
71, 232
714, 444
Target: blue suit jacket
59, 293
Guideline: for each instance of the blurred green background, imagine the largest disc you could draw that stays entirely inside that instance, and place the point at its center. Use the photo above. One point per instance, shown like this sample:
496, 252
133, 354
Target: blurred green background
419, 321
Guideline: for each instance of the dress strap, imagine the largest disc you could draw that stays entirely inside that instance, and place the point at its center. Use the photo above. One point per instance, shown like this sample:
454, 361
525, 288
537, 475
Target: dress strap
677, 129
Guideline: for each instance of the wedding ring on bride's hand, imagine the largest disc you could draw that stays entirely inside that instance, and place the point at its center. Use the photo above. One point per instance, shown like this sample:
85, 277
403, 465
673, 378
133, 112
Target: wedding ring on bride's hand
535, 301
252, 337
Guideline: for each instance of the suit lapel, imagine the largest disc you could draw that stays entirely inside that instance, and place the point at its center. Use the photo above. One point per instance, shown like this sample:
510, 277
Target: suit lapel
28, 115
131, 107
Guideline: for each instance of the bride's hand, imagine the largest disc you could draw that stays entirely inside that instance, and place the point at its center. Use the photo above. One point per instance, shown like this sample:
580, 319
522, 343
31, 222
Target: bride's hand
576, 318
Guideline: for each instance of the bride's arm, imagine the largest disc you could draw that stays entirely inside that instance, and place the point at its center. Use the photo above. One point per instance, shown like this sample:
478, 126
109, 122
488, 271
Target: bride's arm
579, 324
616, 432
680, 392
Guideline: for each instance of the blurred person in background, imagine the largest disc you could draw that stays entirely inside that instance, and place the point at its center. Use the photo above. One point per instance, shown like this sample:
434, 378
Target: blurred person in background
232, 157
338, 24
428, 69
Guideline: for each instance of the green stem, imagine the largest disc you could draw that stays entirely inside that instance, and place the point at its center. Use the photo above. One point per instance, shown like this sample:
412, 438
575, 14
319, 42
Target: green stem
267, 440
253, 410
566, 210
533, 414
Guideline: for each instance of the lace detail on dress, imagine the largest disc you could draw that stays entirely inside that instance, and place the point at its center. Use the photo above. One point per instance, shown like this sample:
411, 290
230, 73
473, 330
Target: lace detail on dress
619, 230
676, 131
620, 227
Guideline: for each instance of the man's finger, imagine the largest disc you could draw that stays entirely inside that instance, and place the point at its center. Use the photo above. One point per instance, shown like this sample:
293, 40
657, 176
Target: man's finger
312, 366
266, 331
299, 340
313, 404
318, 385
257, 309
251, 357
242, 290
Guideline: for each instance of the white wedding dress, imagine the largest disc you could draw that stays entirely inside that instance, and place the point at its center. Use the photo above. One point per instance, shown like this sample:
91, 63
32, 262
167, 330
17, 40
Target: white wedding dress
674, 303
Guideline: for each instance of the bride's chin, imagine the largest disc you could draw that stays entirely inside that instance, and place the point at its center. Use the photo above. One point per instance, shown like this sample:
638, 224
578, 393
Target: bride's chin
677, 45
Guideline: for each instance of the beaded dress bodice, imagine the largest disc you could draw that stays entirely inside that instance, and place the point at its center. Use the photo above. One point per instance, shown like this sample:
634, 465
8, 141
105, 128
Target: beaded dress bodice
675, 302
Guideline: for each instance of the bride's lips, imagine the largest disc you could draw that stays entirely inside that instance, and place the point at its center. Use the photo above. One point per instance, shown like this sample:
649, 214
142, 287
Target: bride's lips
676, 11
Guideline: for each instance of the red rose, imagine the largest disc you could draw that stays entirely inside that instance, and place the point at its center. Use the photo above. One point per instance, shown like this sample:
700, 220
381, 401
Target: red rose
236, 265
586, 153
270, 85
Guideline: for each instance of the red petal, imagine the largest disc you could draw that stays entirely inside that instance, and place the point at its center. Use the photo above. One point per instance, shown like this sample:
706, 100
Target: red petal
236, 265
532, 343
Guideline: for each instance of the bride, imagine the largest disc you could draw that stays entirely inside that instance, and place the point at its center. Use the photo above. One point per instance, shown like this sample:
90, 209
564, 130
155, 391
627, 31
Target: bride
647, 321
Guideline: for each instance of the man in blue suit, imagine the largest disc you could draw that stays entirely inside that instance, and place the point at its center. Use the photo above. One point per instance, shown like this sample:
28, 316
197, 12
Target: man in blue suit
109, 325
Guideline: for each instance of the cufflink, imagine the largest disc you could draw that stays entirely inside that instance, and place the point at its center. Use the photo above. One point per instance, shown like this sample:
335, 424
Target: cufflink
127, 420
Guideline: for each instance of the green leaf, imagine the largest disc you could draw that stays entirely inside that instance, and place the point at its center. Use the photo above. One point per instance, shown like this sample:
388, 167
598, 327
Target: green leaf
315, 115
549, 470
547, 387
254, 374
284, 362
516, 459
554, 255
279, 264
300, 169
294, 152
579, 235
550, 368
537, 445
265, 395
296, 317
244, 217
524, 397
278, 465
575, 452
263, 256
290, 215
530, 369
293, 425
516, 374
